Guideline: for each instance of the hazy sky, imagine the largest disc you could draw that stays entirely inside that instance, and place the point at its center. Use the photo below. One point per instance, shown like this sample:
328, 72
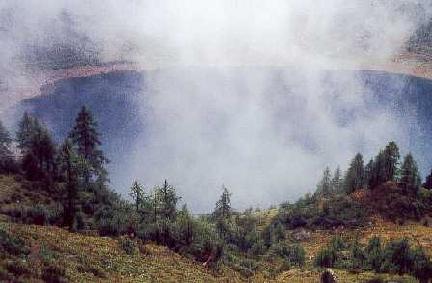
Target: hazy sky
230, 128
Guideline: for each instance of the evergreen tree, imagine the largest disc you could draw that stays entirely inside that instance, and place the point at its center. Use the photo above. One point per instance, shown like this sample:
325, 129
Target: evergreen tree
37, 147
222, 213
324, 187
428, 183
69, 167
167, 198
410, 176
186, 225
85, 137
137, 194
27, 128
337, 181
223, 205
6, 156
369, 173
355, 176
385, 166
391, 161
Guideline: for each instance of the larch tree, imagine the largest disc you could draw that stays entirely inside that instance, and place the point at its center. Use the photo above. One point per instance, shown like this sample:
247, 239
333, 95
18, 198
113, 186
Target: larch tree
324, 187
69, 168
6, 156
355, 176
410, 176
86, 139
137, 194
391, 161
428, 182
337, 180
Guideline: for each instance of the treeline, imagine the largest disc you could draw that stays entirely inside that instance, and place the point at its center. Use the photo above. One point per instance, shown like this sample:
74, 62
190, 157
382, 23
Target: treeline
74, 175
382, 186
384, 167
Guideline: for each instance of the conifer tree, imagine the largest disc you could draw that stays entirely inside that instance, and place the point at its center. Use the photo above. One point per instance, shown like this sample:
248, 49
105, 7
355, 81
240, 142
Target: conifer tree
391, 161
223, 205
222, 213
137, 194
6, 157
27, 128
85, 137
428, 182
369, 173
337, 181
355, 176
69, 167
166, 201
324, 187
410, 176
37, 147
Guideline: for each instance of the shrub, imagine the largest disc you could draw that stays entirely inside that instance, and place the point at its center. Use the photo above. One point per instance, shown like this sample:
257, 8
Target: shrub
127, 245
54, 274
374, 254
422, 266
39, 214
294, 255
358, 256
12, 245
326, 257
246, 267
398, 257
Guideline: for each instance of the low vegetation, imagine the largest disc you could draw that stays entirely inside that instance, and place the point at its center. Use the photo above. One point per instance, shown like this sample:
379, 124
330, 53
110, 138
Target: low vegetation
67, 186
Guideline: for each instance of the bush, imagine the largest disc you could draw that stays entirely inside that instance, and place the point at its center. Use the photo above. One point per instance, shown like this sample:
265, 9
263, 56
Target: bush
39, 214
12, 245
294, 255
54, 274
398, 257
326, 258
422, 266
127, 245
374, 254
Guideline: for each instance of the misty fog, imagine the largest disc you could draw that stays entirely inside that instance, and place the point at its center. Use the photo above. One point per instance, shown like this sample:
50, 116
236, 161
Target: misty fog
238, 92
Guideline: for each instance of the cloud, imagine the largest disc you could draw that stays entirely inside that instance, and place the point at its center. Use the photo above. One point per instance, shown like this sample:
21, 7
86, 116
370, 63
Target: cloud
219, 111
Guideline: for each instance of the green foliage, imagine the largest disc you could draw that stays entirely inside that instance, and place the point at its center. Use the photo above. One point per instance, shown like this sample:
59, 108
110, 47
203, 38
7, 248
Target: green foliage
410, 176
294, 255
385, 166
398, 257
355, 176
127, 245
326, 257
39, 214
324, 187
37, 147
54, 273
11, 244
374, 254
428, 182
7, 162
85, 137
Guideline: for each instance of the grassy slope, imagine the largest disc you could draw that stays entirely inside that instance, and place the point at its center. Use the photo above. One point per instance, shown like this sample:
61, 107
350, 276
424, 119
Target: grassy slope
90, 258
93, 258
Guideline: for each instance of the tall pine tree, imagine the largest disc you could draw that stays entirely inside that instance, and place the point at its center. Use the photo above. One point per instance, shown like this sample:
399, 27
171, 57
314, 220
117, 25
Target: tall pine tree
37, 148
391, 161
324, 187
428, 182
355, 176
337, 181
69, 168
410, 176
6, 156
85, 137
